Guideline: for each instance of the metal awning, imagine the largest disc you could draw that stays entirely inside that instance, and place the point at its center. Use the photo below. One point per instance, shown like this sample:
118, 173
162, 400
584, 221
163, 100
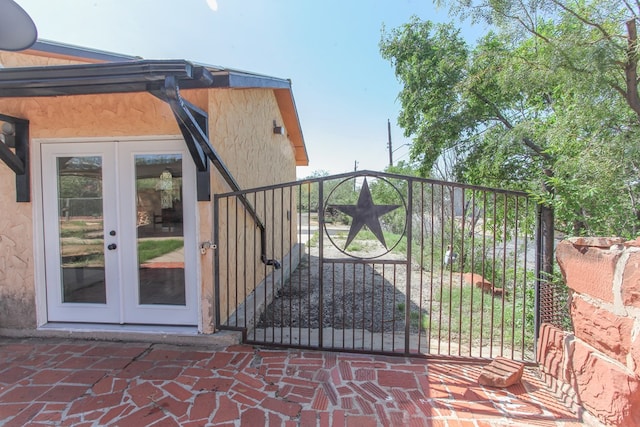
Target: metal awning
162, 78
122, 77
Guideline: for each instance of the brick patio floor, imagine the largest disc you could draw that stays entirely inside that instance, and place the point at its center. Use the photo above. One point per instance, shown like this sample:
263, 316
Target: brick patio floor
46, 382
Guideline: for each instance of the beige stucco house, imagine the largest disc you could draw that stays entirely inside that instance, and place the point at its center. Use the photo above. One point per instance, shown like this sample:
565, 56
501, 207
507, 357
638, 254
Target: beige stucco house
108, 167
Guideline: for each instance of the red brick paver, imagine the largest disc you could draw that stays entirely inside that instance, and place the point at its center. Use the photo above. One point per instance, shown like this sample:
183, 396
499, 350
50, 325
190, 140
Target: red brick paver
70, 383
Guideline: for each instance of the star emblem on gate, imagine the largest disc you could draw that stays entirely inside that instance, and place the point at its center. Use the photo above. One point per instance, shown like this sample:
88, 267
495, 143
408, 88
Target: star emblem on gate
365, 213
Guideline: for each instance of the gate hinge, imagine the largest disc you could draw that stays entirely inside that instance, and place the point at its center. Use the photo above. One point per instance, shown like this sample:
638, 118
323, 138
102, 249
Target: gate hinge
204, 246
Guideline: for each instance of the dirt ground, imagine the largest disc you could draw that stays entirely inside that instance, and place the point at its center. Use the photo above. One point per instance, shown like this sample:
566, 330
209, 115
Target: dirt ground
356, 294
362, 305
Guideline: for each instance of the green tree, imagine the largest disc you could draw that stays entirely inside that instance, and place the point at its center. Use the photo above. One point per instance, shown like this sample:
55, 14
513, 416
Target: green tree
589, 48
309, 197
523, 113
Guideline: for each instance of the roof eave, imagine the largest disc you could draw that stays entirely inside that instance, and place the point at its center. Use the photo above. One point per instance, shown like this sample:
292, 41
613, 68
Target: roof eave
147, 76
289, 111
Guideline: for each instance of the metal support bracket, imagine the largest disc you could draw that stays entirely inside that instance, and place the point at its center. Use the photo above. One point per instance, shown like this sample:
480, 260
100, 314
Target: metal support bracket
18, 161
193, 123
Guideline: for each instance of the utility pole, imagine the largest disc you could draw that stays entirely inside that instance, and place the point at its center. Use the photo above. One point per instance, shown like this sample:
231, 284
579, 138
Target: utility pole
390, 145
355, 169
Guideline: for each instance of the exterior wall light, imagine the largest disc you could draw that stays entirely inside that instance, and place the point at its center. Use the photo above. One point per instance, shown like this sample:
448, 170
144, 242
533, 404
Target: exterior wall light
278, 130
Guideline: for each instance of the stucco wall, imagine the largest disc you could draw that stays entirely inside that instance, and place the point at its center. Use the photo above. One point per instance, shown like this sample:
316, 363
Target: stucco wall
17, 297
241, 123
134, 114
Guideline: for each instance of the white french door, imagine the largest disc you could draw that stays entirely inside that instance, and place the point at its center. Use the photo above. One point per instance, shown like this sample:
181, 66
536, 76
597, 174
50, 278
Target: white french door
120, 232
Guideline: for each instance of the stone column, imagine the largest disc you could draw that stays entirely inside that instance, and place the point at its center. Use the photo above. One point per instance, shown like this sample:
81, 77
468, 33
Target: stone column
599, 364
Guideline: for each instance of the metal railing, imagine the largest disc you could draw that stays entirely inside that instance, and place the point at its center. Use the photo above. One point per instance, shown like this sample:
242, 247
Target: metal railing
455, 274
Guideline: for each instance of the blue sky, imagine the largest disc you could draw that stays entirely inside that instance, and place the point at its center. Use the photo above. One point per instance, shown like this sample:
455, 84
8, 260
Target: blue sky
344, 90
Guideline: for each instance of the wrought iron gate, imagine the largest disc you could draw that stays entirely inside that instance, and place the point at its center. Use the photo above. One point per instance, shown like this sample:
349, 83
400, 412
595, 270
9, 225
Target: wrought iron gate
380, 263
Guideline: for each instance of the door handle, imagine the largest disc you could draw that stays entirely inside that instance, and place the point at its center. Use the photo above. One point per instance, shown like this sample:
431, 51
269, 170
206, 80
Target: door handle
112, 246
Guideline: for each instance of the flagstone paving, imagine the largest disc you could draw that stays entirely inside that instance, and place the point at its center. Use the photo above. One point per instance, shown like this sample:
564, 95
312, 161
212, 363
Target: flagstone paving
45, 382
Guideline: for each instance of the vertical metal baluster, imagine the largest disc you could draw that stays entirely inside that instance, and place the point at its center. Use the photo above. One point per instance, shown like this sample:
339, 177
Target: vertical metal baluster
484, 260
461, 257
264, 267
235, 261
421, 308
244, 261
432, 214
333, 304
283, 254
393, 323
364, 293
255, 270
442, 226
228, 313
320, 265
344, 305
308, 278
504, 272
383, 305
216, 260
515, 274
493, 272
524, 272
452, 243
472, 270
407, 297
373, 288
353, 307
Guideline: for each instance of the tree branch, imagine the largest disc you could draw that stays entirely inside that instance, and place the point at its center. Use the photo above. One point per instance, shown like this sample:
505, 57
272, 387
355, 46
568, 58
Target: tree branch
631, 68
502, 119
630, 7
582, 19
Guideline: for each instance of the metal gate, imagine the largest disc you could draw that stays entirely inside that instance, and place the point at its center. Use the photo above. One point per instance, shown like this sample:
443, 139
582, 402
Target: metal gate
380, 263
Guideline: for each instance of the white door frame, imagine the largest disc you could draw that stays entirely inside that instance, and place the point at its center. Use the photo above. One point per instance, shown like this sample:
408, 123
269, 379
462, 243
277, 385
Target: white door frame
99, 313
192, 260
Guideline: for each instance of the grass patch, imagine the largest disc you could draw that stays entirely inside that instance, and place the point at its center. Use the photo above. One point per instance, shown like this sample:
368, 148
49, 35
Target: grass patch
149, 249
472, 316
418, 320
356, 246
359, 243
313, 241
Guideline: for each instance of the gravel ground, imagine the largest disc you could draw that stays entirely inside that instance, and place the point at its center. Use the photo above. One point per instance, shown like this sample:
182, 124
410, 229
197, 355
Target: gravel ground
358, 295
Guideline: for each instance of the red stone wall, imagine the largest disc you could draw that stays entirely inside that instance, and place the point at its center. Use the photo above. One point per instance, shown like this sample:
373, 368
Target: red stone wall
599, 364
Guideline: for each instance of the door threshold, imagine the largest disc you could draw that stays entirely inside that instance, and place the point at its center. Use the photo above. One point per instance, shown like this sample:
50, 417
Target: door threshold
113, 327
155, 334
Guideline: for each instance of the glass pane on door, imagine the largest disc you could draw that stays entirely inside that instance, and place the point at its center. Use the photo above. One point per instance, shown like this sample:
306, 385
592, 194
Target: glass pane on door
81, 231
160, 229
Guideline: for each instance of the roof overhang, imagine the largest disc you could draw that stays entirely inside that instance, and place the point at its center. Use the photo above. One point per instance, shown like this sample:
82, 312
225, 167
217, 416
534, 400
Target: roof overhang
123, 77
147, 76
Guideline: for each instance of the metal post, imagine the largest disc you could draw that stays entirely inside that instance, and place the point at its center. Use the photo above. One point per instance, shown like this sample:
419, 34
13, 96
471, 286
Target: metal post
407, 290
390, 145
539, 262
320, 264
216, 262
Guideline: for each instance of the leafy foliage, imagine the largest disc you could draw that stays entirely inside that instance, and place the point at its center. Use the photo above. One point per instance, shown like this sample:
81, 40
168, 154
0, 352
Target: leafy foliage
337, 189
547, 103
